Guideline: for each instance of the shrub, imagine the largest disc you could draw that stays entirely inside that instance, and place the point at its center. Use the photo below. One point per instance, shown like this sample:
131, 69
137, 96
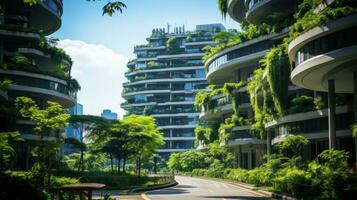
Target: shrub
301, 104
292, 145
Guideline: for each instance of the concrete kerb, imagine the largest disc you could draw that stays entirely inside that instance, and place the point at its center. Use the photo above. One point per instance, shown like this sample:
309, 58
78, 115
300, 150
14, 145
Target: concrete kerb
156, 187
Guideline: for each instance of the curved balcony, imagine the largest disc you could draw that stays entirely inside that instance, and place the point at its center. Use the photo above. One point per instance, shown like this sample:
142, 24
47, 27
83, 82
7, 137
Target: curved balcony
259, 11
45, 15
148, 80
39, 86
223, 65
324, 53
165, 69
236, 9
312, 125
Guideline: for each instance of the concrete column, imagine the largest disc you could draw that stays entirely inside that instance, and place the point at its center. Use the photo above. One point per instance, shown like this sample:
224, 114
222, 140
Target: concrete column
1, 51
331, 114
268, 143
355, 107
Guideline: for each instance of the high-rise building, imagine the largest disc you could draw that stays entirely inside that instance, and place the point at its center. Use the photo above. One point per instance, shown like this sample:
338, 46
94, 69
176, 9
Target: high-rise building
324, 60
164, 79
72, 132
108, 114
36, 68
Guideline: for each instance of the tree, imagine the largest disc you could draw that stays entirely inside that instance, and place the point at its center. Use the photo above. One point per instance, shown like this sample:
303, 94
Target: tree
89, 124
144, 136
48, 122
173, 45
292, 145
6, 150
109, 9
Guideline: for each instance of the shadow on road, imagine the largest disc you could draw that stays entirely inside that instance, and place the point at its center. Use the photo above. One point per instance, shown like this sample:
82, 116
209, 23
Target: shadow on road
185, 186
235, 197
174, 190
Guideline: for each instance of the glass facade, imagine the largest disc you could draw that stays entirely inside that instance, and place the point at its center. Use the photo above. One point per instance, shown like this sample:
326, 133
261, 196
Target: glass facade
325, 44
237, 53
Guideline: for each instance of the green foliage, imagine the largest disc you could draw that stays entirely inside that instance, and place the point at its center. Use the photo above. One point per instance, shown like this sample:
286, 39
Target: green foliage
227, 40
324, 178
108, 9
354, 130
278, 67
293, 145
203, 99
173, 45
262, 113
230, 91
223, 7
48, 46
301, 104
320, 103
111, 7
91, 162
4, 85
6, 150
20, 59
306, 17
186, 161
201, 134
48, 122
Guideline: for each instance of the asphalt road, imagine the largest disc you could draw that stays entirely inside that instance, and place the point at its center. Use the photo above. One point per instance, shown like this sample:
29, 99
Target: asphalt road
199, 189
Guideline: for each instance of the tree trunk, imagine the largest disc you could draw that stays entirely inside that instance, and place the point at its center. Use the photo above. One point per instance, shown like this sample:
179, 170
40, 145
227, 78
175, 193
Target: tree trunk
111, 163
118, 165
81, 165
124, 162
139, 167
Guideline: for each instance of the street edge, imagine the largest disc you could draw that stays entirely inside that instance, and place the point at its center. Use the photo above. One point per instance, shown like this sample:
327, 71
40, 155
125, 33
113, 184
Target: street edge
156, 187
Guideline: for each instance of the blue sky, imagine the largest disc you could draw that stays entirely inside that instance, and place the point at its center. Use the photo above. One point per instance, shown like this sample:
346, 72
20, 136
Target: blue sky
101, 45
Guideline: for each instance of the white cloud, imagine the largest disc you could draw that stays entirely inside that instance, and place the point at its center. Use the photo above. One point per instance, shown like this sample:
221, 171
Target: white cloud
100, 71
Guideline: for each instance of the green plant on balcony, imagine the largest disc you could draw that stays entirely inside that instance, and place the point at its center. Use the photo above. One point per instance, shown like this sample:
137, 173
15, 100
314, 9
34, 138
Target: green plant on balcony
278, 68
48, 46
202, 134
203, 99
139, 78
320, 103
262, 113
22, 63
173, 45
354, 130
230, 91
225, 40
152, 65
13, 27
301, 104
4, 84
307, 18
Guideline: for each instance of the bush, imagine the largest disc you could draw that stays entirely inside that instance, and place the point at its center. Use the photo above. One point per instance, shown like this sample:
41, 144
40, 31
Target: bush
301, 104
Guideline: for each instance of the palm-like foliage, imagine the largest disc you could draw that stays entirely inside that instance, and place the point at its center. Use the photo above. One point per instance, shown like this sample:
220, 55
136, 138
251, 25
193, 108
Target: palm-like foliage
223, 7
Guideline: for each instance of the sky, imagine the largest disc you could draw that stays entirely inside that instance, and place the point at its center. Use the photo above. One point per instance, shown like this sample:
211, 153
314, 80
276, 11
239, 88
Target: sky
100, 46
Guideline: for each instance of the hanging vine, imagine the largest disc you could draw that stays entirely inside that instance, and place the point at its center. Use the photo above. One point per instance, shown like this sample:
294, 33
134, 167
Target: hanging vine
278, 75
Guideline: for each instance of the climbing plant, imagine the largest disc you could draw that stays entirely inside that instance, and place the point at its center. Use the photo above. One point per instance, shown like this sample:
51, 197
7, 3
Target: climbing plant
278, 69
230, 91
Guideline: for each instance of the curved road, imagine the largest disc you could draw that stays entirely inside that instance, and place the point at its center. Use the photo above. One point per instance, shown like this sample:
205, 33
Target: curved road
197, 189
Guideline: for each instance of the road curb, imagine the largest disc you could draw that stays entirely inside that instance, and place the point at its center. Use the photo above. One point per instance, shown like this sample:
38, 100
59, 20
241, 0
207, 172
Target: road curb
156, 187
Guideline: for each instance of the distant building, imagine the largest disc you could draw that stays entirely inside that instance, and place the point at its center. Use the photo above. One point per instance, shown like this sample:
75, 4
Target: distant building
108, 114
72, 132
163, 84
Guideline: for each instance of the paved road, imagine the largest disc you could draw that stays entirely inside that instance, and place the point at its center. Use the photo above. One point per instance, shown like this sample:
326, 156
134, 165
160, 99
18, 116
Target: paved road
199, 189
